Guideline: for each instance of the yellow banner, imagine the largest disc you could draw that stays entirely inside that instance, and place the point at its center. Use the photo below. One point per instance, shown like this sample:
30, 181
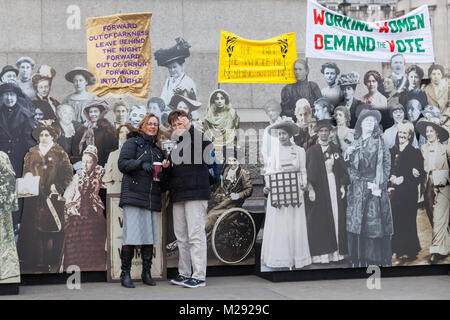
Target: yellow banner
118, 54
249, 61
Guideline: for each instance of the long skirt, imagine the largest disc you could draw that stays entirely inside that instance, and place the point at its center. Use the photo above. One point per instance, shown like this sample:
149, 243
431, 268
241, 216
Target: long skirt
365, 251
85, 240
140, 226
285, 239
441, 238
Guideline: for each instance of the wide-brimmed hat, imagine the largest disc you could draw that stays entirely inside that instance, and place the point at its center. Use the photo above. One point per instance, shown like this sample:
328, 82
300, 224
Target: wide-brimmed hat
187, 96
349, 79
284, 123
102, 105
8, 68
423, 123
25, 59
179, 51
55, 132
45, 72
324, 123
10, 87
90, 78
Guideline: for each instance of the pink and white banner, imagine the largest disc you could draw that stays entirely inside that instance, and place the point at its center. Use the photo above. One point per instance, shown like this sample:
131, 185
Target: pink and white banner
332, 36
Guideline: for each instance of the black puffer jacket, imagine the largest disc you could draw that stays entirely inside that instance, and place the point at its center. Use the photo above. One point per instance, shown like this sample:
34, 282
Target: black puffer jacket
138, 187
190, 181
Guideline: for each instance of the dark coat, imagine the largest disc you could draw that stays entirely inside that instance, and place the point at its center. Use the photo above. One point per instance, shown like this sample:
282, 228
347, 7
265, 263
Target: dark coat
404, 199
37, 217
320, 220
16, 125
366, 213
354, 112
63, 141
186, 179
105, 141
292, 92
138, 187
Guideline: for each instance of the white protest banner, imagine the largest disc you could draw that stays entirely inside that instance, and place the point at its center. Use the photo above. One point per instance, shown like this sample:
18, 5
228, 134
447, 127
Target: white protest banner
332, 36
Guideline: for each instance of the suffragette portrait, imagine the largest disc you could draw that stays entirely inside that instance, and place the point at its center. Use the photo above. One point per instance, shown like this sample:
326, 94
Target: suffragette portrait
42, 227
332, 92
42, 82
9, 261
407, 174
26, 66
173, 59
85, 232
81, 78
303, 88
327, 178
369, 215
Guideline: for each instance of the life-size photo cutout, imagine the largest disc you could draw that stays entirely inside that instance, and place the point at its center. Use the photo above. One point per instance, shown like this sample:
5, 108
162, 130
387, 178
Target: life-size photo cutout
42, 228
285, 239
9, 260
85, 223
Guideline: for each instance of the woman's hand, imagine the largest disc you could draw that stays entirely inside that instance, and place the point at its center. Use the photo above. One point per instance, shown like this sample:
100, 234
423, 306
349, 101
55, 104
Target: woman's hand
415, 173
312, 195
53, 189
165, 163
147, 167
342, 192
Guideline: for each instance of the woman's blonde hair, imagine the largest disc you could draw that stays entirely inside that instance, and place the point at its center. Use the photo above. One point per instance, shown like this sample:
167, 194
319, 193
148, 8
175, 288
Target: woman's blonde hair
144, 122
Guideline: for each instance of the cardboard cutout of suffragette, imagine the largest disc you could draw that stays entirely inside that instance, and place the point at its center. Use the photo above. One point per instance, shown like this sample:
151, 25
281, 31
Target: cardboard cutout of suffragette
407, 174
303, 88
306, 136
437, 187
9, 260
42, 82
285, 239
369, 215
332, 91
85, 231
42, 226
327, 177
81, 78
173, 59
26, 66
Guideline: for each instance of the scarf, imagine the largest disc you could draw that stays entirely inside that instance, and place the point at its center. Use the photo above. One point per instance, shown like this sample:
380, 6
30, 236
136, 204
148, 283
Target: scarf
44, 149
88, 136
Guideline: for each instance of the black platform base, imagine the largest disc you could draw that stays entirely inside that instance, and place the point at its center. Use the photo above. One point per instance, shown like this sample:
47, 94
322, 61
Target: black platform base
346, 273
7, 289
61, 278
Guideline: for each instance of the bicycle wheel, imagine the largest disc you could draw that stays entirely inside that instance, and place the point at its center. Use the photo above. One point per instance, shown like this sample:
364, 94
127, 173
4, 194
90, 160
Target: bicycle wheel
233, 236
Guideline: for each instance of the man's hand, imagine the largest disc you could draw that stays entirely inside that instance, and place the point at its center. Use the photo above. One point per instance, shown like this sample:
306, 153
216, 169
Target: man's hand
165, 163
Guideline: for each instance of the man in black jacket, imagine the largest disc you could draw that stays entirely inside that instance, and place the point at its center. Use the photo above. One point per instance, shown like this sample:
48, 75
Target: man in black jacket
187, 173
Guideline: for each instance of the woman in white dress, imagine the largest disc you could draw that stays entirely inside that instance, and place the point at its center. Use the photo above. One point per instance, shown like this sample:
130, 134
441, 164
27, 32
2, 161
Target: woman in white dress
285, 238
